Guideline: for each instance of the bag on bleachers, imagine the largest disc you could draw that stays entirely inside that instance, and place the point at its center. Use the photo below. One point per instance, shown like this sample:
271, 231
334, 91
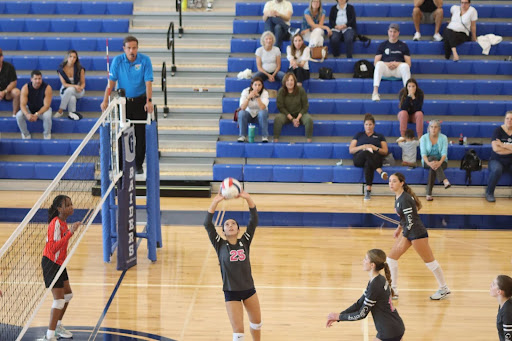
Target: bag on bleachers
318, 52
364, 39
363, 69
470, 163
325, 73
235, 116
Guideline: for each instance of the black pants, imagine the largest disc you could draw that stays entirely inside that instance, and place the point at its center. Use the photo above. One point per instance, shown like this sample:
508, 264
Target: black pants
370, 162
300, 73
452, 39
135, 111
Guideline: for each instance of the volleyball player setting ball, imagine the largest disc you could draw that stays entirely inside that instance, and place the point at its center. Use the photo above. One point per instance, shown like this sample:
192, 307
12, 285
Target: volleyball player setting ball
501, 288
54, 255
235, 267
377, 299
411, 231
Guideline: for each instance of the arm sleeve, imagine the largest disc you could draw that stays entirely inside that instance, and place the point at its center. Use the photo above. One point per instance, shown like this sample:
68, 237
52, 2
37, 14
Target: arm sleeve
264, 98
113, 70
507, 322
419, 103
423, 147
353, 308
57, 245
289, 53
408, 209
243, 96
351, 17
406, 50
280, 102
444, 145
380, 49
496, 134
332, 16
474, 15
212, 233
251, 226
148, 71
366, 303
303, 101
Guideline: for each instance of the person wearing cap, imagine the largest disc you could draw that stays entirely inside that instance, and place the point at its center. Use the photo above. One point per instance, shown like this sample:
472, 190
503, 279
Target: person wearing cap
8, 82
392, 59
427, 12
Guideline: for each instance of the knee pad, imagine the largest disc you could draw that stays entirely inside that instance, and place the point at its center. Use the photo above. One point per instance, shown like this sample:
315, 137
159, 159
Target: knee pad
58, 304
432, 266
256, 326
68, 297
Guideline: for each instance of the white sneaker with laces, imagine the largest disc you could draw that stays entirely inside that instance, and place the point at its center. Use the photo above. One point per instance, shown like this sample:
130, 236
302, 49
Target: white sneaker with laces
368, 195
395, 294
48, 137
46, 339
438, 37
417, 36
58, 114
375, 97
241, 139
26, 137
440, 294
62, 332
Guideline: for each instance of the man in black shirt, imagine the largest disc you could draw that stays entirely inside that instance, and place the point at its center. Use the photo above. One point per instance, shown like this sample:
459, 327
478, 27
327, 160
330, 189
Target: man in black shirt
427, 12
8, 81
501, 155
392, 60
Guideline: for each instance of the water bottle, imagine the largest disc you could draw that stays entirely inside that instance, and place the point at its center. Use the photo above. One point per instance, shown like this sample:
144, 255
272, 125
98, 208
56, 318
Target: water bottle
461, 139
465, 140
252, 130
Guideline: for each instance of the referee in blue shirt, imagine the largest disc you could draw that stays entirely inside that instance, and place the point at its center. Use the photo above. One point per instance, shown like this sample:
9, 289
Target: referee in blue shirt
134, 73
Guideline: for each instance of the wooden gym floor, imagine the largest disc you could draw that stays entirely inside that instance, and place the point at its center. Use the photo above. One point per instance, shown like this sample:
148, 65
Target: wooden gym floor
301, 274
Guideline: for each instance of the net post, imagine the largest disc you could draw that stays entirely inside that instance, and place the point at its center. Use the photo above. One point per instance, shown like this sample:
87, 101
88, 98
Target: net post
153, 189
105, 183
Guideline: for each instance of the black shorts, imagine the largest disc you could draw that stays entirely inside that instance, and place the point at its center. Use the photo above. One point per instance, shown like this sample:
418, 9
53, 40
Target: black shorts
238, 295
50, 269
414, 237
396, 338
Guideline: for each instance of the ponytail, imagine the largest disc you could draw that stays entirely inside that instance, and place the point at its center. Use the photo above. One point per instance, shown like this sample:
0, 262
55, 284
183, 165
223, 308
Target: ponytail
57, 202
378, 257
413, 195
387, 273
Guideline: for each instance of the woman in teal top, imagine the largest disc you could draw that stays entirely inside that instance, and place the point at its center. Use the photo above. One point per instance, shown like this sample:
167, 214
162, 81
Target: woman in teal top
312, 29
434, 156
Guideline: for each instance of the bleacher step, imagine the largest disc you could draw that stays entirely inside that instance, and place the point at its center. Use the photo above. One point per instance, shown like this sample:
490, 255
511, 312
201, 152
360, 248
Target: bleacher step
170, 188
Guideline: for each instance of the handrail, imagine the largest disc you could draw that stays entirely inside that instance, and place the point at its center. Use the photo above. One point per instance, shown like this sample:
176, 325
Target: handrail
179, 10
164, 88
170, 46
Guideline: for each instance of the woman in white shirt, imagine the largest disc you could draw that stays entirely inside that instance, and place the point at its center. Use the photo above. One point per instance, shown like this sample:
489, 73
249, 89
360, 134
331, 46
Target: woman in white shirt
298, 56
462, 24
254, 105
268, 59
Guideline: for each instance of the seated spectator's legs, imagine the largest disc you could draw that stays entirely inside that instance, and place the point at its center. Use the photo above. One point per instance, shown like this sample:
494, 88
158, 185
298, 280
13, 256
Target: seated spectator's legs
301, 74
404, 118
69, 97
279, 121
260, 75
47, 123
416, 17
496, 169
348, 38
453, 39
14, 96
278, 27
381, 70
335, 40
315, 38
22, 124
438, 17
279, 76
307, 121
370, 162
404, 72
243, 120
432, 174
263, 121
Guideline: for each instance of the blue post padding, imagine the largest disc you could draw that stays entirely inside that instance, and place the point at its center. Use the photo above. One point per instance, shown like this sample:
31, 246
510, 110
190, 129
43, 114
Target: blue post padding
153, 190
105, 183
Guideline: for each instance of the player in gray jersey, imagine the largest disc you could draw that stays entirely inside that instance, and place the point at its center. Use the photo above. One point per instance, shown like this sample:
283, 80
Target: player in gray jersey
235, 267
414, 233
377, 299
501, 288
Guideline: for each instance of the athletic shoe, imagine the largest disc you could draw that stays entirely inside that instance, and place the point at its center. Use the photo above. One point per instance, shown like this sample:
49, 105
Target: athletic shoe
76, 116
429, 198
61, 332
27, 137
293, 31
58, 114
241, 139
395, 294
384, 175
490, 197
46, 339
438, 37
209, 7
417, 36
48, 137
264, 139
367, 195
440, 294
375, 97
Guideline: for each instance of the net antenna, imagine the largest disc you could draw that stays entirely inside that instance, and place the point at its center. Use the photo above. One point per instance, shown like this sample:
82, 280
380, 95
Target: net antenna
21, 279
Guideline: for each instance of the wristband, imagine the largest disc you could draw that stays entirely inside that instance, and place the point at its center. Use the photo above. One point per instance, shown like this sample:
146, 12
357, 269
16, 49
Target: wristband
37, 114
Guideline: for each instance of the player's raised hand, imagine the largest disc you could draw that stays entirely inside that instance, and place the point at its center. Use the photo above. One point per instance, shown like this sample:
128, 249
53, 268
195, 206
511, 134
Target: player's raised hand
75, 226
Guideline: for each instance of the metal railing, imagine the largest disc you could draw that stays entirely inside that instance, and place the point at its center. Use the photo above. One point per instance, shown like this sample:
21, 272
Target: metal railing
170, 46
164, 89
179, 10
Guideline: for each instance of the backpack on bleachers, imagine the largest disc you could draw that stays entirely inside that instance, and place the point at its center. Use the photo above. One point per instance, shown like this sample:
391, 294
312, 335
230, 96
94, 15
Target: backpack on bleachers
470, 163
363, 69
325, 73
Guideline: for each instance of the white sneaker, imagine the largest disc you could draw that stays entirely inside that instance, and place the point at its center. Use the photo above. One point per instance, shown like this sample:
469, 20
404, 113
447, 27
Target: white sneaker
241, 139
264, 139
417, 36
46, 339
48, 137
293, 31
27, 137
375, 97
62, 332
438, 37
395, 294
58, 114
440, 294
368, 195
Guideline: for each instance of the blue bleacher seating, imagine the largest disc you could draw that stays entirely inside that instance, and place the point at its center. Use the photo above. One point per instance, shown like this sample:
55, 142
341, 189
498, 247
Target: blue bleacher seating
46, 147
93, 83
29, 62
64, 25
66, 7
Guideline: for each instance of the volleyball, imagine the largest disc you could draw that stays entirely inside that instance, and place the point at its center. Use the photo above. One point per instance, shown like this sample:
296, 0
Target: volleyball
230, 188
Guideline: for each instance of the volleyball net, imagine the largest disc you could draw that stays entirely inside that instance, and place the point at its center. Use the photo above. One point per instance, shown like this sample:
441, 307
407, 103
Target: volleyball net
21, 275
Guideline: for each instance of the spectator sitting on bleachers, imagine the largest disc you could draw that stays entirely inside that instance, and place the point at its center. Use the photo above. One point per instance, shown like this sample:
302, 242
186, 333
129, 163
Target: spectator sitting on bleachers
8, 81
268, 59
434, 156
254, 104
342, 20
35, 103
392, 59
277, 15
369, 148
462, 24
409, 147
72, 77
411, 104
313, 24
427, 12
293, 105
298, 55
501, 155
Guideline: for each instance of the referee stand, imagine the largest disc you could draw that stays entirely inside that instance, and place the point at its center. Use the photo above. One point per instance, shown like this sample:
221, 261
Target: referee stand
119, 209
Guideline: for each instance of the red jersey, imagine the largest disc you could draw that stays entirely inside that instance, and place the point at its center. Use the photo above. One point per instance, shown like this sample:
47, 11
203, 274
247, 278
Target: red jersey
56, 248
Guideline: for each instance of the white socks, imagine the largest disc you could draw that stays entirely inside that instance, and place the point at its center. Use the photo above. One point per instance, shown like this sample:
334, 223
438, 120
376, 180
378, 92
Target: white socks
393, 269
438, 272
50, 334
238, 336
